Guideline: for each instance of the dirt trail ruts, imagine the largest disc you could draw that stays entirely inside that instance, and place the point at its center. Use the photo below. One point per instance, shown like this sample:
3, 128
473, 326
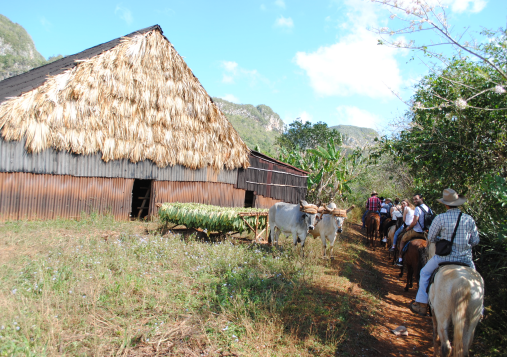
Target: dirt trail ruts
395, 311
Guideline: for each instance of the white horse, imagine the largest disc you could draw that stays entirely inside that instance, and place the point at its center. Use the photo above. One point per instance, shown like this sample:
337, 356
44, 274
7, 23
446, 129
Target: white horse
456, 295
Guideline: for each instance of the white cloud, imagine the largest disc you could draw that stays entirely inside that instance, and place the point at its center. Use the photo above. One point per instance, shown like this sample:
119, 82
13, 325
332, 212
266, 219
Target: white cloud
124, 14
232, 72
460, 6
284, 22
230, 66
355, 64
305, 116
280, 3
45, 23
350, 115
230, 98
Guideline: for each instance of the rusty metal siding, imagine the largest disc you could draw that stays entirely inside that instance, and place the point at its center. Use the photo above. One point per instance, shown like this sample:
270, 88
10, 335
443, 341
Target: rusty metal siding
14, 158
269, 178
39, 196
211, 193
264, 202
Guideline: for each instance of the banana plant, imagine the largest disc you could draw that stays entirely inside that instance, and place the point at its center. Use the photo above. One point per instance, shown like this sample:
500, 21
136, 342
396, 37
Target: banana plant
328, 167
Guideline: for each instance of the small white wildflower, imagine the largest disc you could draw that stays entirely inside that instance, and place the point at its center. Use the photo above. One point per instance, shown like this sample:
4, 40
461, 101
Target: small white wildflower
17, 328
234, 336
499, 89
14, 291
461, 103
70, 291
225, 328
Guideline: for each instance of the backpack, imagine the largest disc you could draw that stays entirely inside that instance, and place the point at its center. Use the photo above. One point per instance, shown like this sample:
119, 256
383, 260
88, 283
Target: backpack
429, 216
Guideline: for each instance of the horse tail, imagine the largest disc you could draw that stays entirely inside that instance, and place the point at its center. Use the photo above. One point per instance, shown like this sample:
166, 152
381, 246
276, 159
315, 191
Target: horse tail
461, 299
423, 259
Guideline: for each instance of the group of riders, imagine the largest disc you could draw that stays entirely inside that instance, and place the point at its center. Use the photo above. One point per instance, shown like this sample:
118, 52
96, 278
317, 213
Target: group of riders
455, 231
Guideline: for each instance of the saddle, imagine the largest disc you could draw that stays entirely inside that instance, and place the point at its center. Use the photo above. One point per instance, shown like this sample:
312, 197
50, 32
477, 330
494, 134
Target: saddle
410, 240
432, 277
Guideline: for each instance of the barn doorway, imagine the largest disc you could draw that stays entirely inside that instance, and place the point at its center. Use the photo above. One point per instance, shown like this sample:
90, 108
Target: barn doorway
141, 193
249, 199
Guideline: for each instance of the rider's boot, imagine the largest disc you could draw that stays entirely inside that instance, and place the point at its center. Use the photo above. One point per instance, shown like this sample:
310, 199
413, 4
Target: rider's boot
419, 308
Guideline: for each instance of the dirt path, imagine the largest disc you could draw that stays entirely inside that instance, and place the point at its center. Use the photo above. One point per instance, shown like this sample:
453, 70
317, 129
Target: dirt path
394, 311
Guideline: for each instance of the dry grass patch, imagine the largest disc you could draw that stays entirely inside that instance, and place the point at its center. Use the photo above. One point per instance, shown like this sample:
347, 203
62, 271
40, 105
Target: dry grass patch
100, 287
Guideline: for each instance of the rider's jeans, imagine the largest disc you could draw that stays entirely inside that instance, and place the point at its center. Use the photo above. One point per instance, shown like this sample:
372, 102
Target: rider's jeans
396, 234
424, 279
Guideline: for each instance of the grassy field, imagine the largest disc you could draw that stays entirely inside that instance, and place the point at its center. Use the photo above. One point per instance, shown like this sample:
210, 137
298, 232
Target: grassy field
100, 287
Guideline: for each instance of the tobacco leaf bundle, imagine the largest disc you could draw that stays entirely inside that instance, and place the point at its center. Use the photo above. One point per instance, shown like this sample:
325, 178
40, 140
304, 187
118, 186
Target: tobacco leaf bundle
212, 218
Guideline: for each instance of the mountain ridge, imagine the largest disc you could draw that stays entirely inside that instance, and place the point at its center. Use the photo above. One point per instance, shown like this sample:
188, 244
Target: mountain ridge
356, 136
17, 50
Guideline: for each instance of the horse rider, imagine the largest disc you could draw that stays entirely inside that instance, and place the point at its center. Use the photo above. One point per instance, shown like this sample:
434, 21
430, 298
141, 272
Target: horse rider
384, 214
395, 213
443, 225
372, 205
416, 228
408, 216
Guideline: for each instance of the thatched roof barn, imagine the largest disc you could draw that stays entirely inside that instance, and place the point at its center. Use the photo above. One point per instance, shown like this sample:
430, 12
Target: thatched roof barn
120, 127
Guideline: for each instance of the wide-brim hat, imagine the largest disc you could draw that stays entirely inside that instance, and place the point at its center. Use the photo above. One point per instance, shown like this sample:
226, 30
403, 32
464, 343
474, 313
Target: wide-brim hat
388, 199
451, 198
374, 193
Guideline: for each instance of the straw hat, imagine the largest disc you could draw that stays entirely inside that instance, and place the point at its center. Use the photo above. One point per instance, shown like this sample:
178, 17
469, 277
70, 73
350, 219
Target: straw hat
388, 199
374, 193
451, 198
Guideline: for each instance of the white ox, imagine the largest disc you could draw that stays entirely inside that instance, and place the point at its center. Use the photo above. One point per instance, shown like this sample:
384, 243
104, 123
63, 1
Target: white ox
327, 228
287, 218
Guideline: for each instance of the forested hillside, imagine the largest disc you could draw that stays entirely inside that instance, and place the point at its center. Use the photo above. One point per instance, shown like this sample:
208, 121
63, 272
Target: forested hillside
17, 50
354, 136
257, 126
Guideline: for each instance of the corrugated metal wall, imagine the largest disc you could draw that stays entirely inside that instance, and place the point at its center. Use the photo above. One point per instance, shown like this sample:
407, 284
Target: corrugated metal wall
33, 196
211, 193
264, 202
14, 158
268, 178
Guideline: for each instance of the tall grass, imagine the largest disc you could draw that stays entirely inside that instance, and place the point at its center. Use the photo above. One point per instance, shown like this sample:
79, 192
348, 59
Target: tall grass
100, 287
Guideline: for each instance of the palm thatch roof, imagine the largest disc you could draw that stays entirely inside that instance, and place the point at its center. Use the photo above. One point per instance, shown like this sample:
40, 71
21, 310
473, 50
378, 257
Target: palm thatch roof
137, 100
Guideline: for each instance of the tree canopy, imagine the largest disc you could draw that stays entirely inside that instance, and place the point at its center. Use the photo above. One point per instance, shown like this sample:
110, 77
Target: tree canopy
304, 136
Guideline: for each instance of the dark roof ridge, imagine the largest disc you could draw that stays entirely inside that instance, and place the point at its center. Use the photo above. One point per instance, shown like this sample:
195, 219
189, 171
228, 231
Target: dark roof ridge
275, 161
15, 86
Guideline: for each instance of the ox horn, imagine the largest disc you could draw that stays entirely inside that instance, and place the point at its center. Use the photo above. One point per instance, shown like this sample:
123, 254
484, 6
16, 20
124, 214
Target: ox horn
351, 208
303, 203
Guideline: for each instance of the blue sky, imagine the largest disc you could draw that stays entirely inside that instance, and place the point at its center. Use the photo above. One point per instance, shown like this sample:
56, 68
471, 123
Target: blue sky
317, 62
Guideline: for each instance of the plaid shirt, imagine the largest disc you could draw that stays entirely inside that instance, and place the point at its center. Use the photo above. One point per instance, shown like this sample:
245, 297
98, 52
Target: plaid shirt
373, 204
467, 235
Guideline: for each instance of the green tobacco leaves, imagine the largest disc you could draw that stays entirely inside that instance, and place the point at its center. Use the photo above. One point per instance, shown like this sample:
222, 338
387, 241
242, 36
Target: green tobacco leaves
212, 218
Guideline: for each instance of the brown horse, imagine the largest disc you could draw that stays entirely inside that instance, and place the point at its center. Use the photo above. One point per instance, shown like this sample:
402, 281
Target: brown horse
372, 223
383, 228
414, 259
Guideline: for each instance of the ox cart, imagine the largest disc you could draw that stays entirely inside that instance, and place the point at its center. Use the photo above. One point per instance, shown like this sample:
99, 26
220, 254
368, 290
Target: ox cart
222, 220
